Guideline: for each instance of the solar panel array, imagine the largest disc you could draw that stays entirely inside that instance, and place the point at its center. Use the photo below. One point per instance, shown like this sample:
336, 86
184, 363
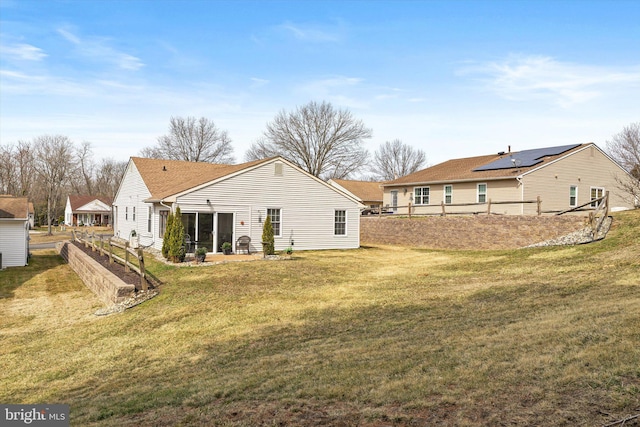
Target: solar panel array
525, 158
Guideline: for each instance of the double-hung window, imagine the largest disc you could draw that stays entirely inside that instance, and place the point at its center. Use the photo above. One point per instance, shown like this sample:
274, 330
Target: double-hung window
482, 193
596, 193
164, 215
126, 213
421, 195
340, 223
133, 214
573, 196
149, 219
448, 194
274, 215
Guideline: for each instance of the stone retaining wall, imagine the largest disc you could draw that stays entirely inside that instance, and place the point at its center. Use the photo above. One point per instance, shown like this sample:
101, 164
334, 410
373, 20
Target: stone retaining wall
468, 231
109, 287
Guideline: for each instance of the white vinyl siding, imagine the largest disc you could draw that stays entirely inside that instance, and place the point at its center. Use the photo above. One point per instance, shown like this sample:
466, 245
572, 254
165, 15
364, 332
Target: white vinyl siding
306, 206
132, 193
13, 242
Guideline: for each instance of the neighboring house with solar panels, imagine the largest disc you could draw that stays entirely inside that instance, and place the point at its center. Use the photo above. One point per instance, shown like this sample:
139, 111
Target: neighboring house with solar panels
563, 177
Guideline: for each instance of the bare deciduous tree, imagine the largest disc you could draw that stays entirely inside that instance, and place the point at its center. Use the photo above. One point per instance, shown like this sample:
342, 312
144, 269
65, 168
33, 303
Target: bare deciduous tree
192, 140
86, 166
394, 159
54, 165
624, 147
108, 175
323, 141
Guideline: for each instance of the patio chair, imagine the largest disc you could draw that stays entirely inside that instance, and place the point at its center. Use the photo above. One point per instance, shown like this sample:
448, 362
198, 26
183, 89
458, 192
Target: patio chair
187, 243
243, 243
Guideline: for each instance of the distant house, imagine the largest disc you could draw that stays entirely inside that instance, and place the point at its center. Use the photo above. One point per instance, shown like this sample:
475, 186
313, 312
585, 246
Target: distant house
32, 215
562, 176
368, 193
220, 203
87, 210
14, 231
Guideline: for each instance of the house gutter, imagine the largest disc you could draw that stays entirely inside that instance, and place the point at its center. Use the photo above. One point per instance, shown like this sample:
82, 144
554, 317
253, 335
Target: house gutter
452, 181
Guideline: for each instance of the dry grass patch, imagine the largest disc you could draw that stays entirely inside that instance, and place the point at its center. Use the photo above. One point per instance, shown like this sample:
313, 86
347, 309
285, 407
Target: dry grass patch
375, 336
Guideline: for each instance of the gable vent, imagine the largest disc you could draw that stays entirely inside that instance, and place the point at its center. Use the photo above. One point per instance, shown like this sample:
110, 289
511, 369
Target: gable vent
278, 169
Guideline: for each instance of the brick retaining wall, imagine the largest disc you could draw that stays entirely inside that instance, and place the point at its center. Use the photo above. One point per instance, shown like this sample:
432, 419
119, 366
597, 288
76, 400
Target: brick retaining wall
467, 232
109, 287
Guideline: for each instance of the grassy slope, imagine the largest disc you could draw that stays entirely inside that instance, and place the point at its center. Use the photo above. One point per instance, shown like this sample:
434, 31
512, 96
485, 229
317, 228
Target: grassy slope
375, 336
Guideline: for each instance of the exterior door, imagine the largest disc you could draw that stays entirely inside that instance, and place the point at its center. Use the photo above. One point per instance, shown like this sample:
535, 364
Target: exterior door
224, 232
205, 231
394, 200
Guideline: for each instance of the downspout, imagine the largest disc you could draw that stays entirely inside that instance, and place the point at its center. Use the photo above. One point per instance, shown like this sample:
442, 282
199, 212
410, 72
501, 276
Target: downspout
519, 179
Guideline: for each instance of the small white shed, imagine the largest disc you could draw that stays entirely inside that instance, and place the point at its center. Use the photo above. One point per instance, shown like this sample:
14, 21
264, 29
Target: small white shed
14, 231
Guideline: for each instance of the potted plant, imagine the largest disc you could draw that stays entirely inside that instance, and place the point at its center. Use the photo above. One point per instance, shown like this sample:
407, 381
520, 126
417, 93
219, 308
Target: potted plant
226, 248
288, 252
201, 253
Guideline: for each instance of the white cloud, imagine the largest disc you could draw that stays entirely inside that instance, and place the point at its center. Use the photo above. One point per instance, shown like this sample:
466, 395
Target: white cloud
23, 51
100, 50
339, 90
312, 33
257, 82
541, 77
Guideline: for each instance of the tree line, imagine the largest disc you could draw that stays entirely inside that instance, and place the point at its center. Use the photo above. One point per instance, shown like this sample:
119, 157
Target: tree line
50, 167
324, 141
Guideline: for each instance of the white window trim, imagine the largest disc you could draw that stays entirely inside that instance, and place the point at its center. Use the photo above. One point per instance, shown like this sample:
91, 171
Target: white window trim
591, 190
444, 194
422, 196
346, 223
392, 203
280, 209
576, 196
486, 190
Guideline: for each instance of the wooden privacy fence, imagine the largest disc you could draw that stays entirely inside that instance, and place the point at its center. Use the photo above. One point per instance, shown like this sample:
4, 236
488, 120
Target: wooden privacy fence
105, 247
445, 208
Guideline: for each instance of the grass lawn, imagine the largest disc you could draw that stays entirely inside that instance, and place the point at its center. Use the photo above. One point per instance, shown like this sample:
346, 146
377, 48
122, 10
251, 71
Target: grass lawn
377, 336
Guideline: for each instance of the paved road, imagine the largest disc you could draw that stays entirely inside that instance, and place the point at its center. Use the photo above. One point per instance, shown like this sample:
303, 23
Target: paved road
52, 245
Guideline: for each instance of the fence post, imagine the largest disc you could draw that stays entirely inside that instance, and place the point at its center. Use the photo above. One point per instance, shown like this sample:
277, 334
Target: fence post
380, 210
143, 273
539, 201
93, 242
126, 257
444, 213
409, 206
110, 252
85, 238
489, 207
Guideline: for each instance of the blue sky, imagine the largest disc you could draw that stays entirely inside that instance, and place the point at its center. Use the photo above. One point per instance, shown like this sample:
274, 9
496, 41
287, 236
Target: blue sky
453, 78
